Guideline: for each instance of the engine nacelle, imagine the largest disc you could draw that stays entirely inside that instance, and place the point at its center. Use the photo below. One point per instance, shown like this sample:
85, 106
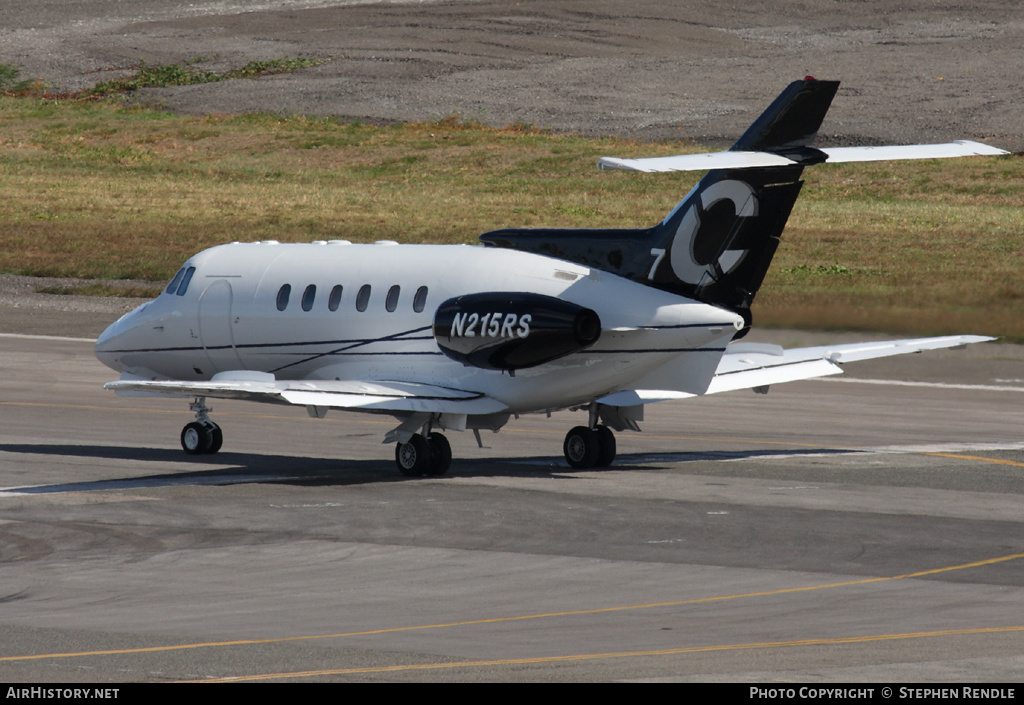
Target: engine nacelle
512, 331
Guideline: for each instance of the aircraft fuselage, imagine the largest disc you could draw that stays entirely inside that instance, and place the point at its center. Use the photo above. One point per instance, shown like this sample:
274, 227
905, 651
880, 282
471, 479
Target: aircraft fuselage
277, 308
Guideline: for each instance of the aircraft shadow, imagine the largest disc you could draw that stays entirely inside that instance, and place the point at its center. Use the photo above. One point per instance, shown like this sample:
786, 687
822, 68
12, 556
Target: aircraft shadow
228, 468
224, 468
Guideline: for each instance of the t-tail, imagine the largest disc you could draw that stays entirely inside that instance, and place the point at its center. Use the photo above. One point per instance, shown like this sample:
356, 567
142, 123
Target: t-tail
717, 244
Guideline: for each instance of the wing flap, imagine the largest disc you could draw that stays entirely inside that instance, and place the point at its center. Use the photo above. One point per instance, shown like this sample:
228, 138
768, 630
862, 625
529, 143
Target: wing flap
774, 374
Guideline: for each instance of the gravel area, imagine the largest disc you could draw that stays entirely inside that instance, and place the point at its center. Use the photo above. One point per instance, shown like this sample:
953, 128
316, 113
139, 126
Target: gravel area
917, 70
23, 310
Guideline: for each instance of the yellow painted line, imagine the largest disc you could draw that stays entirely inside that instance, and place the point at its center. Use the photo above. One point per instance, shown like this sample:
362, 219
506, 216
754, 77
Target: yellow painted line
998, 461
614, 655
516, 618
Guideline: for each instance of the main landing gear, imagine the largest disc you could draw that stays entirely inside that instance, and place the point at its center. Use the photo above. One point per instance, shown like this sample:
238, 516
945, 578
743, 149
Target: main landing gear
424, 455
593, 445
202, 436
586, 447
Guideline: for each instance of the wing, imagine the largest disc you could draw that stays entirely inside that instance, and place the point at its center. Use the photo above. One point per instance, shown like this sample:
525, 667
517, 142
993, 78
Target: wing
347, 394
756, 366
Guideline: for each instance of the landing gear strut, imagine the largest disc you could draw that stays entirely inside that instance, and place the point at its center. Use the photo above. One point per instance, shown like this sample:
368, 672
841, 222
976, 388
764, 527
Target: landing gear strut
430, 455
202, 436
589, 447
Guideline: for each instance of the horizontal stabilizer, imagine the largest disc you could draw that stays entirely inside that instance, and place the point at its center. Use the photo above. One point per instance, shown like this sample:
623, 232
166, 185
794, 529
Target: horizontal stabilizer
697, 162
949, 150
754, 160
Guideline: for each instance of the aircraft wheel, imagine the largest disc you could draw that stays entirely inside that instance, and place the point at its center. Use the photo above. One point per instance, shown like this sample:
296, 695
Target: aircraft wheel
581, 448
413, 458
440, 455
196, 439
216, 439
606, 447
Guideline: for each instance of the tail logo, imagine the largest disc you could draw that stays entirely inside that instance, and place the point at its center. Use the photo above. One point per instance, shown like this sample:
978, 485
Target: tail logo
693, 269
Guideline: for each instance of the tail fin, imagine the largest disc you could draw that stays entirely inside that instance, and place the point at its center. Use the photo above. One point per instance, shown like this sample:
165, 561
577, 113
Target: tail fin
719, 242
791, 122
716, 245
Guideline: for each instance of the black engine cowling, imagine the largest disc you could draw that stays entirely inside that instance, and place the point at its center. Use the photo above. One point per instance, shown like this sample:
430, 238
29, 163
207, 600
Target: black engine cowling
512, 331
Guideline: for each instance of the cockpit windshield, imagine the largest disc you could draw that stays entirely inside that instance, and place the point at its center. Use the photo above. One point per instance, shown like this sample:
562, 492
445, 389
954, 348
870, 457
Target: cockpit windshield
179, 285
173, 286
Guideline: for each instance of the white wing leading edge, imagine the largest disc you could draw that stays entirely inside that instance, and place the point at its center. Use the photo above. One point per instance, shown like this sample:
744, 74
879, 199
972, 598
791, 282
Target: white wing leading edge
754, 365
349, 394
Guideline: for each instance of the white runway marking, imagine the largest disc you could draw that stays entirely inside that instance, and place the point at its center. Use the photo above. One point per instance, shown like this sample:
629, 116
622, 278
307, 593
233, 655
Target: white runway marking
23, 336
885, 450
782, 453
935, 385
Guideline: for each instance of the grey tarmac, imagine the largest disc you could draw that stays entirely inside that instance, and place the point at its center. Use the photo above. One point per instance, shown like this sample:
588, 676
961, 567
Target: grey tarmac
829, 531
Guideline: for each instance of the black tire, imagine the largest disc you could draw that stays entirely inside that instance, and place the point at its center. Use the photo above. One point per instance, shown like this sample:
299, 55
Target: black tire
196, 439
581, 448
216, 439
413, 458
606, 447
440, 455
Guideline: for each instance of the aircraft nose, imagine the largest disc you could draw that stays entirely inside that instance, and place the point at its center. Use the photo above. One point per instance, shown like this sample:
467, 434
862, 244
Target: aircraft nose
111, 342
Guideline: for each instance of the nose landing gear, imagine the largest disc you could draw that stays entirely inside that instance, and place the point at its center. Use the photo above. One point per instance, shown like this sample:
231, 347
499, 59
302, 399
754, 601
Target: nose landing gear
202, 436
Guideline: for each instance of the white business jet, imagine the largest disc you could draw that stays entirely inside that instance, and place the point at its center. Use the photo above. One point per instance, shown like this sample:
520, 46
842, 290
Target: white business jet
444, 337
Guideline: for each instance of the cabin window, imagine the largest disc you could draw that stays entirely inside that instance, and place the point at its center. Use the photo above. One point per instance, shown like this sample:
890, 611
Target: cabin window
282, 297
173, 286
420, 300
308, 296
335, 299
363, 297
183, 287
391, 303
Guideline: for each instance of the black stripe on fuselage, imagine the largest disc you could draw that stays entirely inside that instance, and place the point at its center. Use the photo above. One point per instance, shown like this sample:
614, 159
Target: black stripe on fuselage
344, 350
